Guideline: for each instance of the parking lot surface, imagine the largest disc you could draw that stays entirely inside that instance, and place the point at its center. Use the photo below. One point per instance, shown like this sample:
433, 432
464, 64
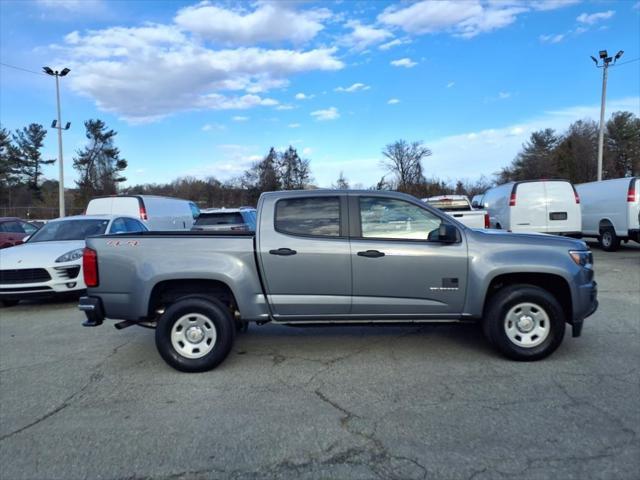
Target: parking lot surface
339, 402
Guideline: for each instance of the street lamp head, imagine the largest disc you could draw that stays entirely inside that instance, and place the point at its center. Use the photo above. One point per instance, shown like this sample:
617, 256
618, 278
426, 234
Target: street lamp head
54, 124
603, 54
619, 54
48, 71
64, 72
595, 60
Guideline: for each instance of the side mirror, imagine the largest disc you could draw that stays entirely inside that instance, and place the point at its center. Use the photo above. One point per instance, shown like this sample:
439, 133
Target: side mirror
447, 233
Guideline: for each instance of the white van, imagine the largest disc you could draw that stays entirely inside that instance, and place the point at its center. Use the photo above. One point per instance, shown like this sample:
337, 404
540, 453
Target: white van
157, 213
611, 211
544, 206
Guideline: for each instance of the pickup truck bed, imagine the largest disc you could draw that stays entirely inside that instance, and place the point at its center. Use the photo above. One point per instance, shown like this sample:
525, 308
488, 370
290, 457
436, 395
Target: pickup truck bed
328, 257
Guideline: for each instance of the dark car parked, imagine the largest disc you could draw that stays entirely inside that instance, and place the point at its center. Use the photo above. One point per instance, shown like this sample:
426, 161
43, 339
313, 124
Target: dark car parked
13, 230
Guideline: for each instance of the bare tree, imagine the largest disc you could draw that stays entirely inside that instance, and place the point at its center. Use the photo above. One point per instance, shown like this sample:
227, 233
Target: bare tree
342, 183
404, 160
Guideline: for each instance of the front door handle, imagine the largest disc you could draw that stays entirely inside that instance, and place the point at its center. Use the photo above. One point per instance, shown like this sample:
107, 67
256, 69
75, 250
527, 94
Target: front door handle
371, 254
285, 252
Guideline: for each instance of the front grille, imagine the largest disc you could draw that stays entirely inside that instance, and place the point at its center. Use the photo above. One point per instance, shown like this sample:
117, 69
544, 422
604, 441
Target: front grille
68, 273
25, 289
25, 275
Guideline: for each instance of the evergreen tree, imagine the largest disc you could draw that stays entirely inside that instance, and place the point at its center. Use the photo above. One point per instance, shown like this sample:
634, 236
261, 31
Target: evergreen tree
28, 159
9, 171
99, 164
294, 171
622, 147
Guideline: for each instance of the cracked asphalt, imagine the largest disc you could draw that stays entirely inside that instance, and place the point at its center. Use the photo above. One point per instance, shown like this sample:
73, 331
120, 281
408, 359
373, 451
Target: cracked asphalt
430, 402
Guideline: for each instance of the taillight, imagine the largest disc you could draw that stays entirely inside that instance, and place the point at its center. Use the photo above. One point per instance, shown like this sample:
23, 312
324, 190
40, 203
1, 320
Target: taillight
631, 194
512, 200
575, 194
90, 267
143, 213
486, 220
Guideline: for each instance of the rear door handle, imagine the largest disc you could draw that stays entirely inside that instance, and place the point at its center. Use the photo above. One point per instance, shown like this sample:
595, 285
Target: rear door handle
371, 254
283, 251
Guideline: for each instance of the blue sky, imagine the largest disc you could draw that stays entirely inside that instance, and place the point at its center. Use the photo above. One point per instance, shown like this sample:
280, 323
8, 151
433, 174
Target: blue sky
205, 88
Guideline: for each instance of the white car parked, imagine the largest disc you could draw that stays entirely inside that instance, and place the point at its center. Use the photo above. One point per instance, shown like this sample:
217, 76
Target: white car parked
611, 211
542, 206
50, 262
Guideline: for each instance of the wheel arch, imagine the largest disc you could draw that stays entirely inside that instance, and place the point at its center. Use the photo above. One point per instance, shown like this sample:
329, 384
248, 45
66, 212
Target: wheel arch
556, 285
166, 292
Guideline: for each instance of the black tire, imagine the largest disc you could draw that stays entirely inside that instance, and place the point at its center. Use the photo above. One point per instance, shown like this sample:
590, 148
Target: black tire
495, 320
609, 241
10, 303
219, 318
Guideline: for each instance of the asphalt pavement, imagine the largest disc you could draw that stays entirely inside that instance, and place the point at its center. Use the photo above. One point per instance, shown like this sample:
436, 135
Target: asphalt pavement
341, 402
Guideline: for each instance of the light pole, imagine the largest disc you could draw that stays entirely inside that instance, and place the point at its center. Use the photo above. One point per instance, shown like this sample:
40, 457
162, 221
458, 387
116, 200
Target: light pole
57, 124
606, 61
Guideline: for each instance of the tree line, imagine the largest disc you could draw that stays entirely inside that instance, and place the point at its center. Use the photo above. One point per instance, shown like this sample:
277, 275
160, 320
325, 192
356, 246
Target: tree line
22, 183
546, 154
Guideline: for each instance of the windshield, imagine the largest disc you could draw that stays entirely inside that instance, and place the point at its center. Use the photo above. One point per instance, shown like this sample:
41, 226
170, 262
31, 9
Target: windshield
69, 230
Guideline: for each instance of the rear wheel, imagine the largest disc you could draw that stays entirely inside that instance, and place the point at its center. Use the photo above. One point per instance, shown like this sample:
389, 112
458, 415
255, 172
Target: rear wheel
608, 239
195, 334
524, 322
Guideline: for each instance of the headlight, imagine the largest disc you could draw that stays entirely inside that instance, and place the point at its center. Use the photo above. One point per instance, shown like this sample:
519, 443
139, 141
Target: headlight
584, 258
70, 256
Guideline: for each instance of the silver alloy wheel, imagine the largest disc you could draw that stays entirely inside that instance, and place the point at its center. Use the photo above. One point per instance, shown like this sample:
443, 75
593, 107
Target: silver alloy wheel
193, 335
527, 325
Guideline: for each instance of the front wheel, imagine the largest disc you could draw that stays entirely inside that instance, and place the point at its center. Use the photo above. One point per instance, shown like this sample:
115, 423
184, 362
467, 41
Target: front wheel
195, 334
524, 322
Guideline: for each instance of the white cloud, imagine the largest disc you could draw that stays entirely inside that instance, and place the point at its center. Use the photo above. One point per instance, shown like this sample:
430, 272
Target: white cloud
294, 125
304, 96
363, 36
356, 87
212, 126
593, 18
269, 22
307, 151
552, 38
330, 113
450, 84
504, 95
145, 73
393, 101
285, 107
239, 118
404, 62
465, 19
545, 5
394, 43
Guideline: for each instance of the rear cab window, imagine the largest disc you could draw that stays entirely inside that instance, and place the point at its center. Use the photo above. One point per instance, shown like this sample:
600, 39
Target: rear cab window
309, 216
231, 218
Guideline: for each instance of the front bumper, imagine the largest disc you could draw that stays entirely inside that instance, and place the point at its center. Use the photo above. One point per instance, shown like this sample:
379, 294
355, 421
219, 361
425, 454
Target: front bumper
92, 308
586, 306
62, 278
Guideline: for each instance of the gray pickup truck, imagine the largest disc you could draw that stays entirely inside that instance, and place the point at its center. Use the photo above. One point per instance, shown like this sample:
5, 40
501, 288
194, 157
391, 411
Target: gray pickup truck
335, 257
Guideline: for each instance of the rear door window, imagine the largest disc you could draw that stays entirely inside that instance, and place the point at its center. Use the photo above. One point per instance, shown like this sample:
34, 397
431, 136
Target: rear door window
309, 216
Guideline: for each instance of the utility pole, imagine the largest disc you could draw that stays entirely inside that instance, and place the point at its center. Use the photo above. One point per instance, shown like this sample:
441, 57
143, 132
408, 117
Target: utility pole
57, 124
606, 61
